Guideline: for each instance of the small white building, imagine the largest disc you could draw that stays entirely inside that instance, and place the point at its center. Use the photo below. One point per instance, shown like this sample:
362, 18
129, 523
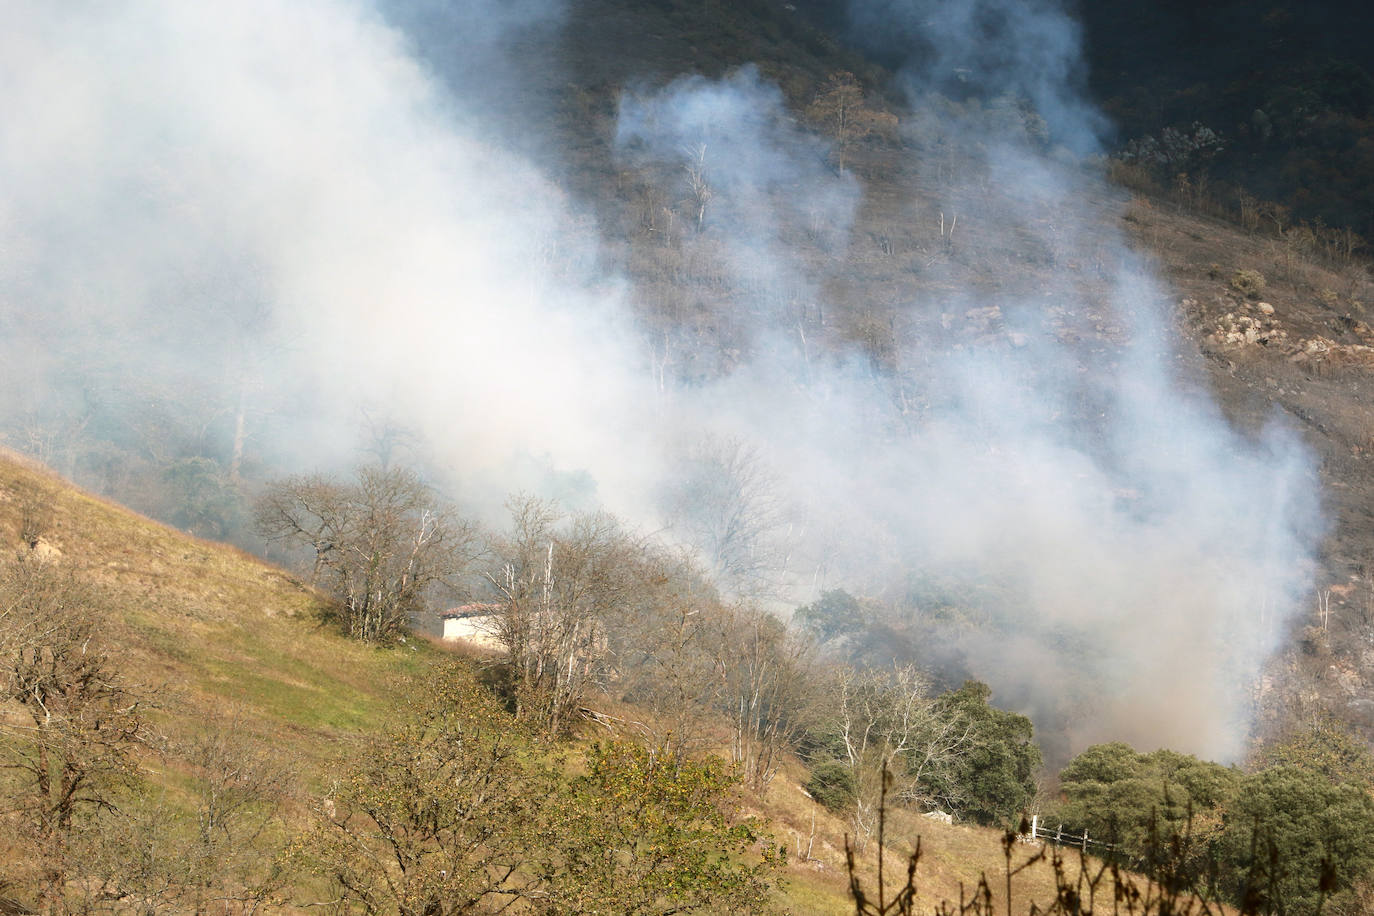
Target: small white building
475, 624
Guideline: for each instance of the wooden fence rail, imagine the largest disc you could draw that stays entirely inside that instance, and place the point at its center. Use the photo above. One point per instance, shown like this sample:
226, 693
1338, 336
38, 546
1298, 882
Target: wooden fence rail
1056, 835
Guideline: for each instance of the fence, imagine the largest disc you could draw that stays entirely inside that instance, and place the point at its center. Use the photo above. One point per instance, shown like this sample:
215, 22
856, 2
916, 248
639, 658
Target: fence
1039, 831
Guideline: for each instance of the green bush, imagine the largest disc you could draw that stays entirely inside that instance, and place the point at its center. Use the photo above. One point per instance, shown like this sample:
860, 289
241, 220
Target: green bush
836, 613
993, 781
1321, 833
1325, 749
832, 784
458, 810
1276, 840
1140, 801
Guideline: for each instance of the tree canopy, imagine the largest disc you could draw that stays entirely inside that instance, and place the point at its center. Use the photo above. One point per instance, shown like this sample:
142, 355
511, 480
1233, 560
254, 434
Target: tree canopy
381, 543
996, 774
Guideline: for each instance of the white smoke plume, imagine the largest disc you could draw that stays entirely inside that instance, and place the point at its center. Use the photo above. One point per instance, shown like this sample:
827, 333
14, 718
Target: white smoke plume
1138, 557
308, 210
290, 175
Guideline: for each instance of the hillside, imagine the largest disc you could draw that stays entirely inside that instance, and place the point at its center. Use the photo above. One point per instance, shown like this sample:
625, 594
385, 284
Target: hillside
697, 318
940, 345
223, 648
1283, 90
216, 634
1305, 365
1307, 360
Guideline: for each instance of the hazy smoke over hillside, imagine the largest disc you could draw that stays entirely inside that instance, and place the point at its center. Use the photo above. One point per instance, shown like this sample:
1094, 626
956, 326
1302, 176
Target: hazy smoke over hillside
288, 176
278, 210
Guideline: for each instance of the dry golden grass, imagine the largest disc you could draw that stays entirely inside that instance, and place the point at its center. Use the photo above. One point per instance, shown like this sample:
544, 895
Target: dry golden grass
208, 632
217, 638
954, 857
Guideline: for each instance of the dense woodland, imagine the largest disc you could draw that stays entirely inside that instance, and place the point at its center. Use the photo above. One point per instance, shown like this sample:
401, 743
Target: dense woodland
712, 706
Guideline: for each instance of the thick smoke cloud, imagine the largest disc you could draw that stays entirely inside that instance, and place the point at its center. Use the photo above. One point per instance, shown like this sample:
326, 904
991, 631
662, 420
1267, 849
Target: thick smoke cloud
300, 212
1126, 541
287, 174
1143, 546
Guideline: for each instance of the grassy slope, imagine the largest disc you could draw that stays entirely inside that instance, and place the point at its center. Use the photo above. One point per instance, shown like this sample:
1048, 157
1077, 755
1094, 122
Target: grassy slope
953, 857
221, 635
216, 635
212, 632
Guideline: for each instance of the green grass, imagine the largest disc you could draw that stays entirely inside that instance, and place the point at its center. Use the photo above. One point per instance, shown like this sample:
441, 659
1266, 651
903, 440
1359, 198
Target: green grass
208, 631
217, 640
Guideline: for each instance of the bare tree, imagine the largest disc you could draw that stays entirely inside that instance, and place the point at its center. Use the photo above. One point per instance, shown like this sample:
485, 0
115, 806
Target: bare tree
213, 848
560, 588
888, 720
386, 439
669, 655
767, 673
78, 724
231, 858
725, 502
383, 544
699, 190
842, 112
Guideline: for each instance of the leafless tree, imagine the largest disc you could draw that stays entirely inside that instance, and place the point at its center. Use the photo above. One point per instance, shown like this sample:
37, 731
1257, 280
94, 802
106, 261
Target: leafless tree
383, 544
386, 440
231, 858
842, 112
699, 190
725, 502
214, 848
767, 674
72, 741
669, 655
561, 587
887, 719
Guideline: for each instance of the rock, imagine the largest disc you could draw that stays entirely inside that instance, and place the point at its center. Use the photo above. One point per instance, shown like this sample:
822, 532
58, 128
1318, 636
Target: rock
1348, 680
1241, 330
980, 320
1265, 308
45, 552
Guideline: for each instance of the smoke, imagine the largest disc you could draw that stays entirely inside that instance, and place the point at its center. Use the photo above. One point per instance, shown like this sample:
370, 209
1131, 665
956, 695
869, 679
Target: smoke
1142, 538
1120, 560
288, 176
294, 217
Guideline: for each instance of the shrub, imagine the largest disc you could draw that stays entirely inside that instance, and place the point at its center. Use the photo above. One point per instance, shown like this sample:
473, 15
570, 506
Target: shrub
35, 517
455, 810
1249, 283
832, 784
1138, 800
1322, 833
993, 781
